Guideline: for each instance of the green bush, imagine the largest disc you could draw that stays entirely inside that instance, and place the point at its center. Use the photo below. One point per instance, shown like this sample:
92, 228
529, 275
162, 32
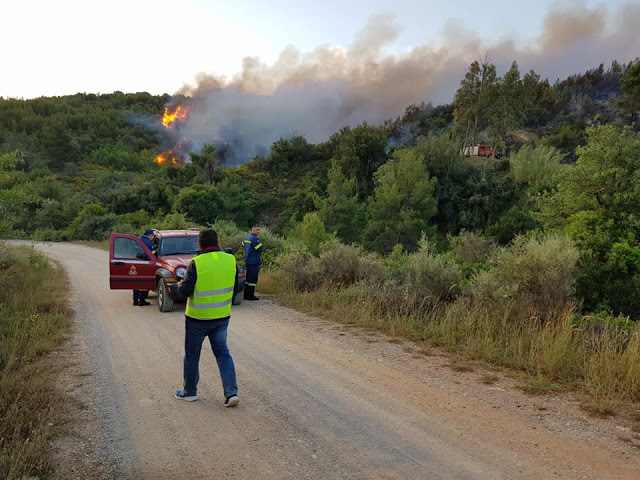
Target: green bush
50, 235
535, 275
338, 265
470, 247
93, 223
301, 269
344, 265
229, 235
274, 245
536, 166
311, 232
431, 277
172, 221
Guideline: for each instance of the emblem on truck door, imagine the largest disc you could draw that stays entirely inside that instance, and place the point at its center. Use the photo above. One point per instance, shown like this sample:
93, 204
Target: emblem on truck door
132, 270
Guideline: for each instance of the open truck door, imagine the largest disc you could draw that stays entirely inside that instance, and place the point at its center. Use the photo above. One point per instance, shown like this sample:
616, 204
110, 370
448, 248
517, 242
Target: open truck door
132, 266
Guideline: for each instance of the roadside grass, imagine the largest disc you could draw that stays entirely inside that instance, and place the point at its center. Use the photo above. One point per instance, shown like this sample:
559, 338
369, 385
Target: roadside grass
34, 318
601, 364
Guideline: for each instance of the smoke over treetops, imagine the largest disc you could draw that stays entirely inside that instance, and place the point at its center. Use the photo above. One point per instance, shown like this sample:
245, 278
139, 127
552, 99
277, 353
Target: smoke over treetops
316, 93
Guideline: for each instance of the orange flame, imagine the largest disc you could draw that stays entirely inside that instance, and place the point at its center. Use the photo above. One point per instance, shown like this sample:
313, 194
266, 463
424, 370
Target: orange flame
169, 157
170, 117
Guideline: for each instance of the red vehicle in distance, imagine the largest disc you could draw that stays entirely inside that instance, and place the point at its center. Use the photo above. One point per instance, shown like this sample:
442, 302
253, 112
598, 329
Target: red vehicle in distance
132, 266
481, 150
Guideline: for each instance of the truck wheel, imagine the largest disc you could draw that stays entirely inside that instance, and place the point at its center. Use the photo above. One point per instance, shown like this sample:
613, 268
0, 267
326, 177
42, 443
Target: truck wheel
237, 298
165, 302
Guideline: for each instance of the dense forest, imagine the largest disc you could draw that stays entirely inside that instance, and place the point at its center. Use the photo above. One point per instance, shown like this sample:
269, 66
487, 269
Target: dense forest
566, 162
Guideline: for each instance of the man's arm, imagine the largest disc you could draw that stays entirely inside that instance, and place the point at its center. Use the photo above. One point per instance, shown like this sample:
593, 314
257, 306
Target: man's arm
187, 285
257, 245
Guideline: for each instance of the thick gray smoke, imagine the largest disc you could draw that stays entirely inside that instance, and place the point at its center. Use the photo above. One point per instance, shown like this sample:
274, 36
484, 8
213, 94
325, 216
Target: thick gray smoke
314, 94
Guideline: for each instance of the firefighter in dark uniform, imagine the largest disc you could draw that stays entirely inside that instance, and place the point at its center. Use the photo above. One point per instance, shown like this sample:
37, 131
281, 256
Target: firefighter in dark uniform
252, 259
140, 296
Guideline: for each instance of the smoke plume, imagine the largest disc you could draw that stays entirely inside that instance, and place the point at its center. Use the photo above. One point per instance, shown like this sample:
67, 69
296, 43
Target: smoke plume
315, 93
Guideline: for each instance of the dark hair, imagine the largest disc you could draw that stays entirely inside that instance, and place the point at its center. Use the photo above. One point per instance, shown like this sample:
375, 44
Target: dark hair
255, 225
208, 238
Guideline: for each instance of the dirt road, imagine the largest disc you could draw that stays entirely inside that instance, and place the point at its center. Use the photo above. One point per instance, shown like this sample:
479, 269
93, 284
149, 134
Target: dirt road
318, 401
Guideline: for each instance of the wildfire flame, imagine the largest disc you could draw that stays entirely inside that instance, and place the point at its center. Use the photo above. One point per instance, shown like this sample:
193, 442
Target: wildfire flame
170, 117
170, 157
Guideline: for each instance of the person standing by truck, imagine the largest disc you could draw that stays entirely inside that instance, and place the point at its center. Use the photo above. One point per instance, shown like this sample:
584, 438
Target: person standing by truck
252, 259
140, 296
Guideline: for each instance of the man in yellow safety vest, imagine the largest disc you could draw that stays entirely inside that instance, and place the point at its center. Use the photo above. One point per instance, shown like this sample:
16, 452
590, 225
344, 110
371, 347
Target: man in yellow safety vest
208, 286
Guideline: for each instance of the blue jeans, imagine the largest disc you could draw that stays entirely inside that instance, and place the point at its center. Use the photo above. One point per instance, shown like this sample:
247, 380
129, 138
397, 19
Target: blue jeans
195, 333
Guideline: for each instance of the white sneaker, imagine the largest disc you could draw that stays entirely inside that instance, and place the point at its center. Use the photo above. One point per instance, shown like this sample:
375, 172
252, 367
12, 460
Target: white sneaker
232, 401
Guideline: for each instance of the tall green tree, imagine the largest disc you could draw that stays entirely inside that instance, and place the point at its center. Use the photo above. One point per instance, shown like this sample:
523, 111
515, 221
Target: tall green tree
539, 100
597, 205
340, 210
359, 152
402, 204
473, 100
507, 110
630, 86
311, 232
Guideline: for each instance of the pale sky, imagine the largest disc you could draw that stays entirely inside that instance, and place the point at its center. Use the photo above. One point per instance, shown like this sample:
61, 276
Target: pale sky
63, 47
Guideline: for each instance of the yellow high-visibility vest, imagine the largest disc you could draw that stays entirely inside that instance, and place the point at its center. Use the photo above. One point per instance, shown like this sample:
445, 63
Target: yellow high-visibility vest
213, 292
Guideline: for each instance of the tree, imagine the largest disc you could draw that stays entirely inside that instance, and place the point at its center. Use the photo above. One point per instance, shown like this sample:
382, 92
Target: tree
359, 152
507, 110
474, 97
202, 204
340, 210
539, 100
57, 145
597, 205
311, 232
207, 164
630, 86
402, 203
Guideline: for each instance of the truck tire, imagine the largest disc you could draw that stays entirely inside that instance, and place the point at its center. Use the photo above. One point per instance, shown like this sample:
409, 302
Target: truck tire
237, 298
165, 302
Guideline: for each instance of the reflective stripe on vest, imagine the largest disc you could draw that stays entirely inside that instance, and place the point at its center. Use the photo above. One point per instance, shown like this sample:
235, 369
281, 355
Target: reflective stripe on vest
213, 292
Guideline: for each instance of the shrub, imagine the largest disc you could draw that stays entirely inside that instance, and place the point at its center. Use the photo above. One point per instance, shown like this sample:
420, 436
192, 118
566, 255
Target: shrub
347, 264
536, 274
470, 247
229, 234
93, 223
311, 232
302, 269
430, 276
536, 166
339, 265
172, 221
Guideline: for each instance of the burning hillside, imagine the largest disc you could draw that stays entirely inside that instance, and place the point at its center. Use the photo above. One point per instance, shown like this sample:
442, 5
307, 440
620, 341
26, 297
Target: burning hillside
171, 121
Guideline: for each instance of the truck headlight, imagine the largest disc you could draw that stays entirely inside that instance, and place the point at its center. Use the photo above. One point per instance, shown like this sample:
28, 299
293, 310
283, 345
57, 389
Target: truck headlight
181, 272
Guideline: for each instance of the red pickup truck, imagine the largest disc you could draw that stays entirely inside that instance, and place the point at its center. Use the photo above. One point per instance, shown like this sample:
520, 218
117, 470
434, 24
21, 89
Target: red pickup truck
132, 266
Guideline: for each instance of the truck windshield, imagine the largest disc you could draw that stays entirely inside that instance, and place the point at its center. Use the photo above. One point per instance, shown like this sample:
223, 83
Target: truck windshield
179, 246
